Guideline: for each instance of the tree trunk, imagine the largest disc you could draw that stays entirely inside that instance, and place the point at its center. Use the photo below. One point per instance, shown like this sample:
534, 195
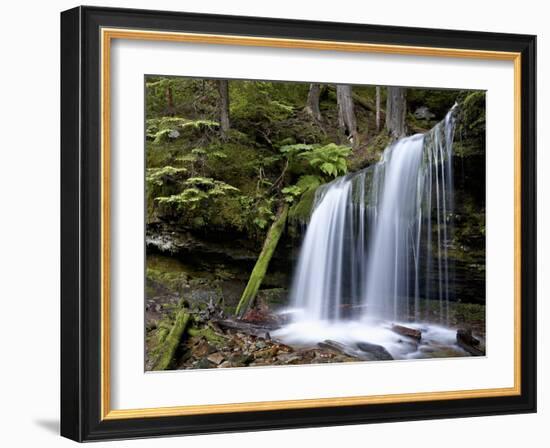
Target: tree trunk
312, 106
260, 268
346, 114
377, 108
396, 108
170, 344
170, 109
223, 88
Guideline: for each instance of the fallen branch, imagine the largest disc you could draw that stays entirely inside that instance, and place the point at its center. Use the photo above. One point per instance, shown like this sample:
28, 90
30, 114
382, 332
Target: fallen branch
247, 328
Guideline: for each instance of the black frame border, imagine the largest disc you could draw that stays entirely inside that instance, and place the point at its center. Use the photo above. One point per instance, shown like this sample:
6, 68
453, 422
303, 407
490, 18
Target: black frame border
81, 223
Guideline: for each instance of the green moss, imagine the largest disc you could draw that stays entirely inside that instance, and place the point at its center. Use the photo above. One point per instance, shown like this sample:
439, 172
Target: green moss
171, 341
301, 210
209, 334
470, 129
260, 268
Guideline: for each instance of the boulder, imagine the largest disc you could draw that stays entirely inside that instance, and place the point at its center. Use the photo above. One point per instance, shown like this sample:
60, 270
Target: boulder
379, 352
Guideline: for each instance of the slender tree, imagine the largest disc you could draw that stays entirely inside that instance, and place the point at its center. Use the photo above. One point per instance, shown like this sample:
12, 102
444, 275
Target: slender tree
170, 108
223, 89
396, 108
377, 108
346, 114
312, 105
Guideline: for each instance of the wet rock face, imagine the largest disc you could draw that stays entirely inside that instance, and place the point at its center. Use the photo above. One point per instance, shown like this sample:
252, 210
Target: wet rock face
166, 240
423, 113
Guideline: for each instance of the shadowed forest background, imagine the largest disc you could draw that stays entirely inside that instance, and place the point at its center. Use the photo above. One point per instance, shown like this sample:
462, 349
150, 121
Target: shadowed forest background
232, 168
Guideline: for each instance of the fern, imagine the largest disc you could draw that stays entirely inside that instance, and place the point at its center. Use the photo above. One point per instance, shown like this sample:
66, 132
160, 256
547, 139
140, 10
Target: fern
308, 181
165, 128
329, 159
157, 176
196, 190
291, 193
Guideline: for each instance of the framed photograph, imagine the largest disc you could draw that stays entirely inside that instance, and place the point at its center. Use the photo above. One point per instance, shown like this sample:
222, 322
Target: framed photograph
276, 224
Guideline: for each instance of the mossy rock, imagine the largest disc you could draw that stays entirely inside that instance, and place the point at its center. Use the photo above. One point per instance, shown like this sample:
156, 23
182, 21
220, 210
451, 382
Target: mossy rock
470, 128
300, 212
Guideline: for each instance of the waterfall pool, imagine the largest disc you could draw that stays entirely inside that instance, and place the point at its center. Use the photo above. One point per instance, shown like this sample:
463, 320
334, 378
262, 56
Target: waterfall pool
437, 340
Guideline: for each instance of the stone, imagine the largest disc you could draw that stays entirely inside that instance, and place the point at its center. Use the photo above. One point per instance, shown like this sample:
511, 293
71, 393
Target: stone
217, 358
378, 352
238, 360
288, 358
204, 363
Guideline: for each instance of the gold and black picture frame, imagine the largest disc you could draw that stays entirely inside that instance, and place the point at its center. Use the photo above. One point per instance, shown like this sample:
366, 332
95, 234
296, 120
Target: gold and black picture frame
108, 130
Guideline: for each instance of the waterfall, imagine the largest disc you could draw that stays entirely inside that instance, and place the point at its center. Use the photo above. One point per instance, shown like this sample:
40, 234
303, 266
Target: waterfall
377, 242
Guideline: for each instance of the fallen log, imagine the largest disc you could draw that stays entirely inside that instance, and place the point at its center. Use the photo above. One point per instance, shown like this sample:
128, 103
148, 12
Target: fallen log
406, 331
466, 341
247, 328
168, 349
379, 352
260, 268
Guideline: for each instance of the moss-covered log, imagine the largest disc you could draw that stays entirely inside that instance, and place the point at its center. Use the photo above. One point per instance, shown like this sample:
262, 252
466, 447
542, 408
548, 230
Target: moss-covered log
167, 350
208, 333
258, 273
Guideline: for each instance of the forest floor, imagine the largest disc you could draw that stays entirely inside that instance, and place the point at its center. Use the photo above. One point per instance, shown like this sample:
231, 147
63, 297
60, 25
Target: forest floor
217, 340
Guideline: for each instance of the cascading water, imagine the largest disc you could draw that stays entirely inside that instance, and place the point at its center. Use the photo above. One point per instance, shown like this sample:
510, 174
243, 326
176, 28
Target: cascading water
377, 242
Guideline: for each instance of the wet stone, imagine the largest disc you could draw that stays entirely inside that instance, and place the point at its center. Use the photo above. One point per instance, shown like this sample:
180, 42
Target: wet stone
217, 358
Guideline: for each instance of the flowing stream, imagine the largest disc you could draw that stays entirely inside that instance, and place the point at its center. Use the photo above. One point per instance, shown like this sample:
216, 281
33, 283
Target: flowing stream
376, 246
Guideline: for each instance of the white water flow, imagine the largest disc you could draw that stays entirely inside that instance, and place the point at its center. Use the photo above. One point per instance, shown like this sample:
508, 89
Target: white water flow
376, 247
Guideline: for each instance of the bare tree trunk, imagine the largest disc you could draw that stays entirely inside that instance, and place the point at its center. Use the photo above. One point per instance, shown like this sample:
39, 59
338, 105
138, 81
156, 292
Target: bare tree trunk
312, 105
170, 109
346, 114
223, 88
396, 107
377, 108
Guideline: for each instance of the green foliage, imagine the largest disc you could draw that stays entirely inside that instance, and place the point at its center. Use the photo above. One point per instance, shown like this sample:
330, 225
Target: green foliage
166, 128
273, 153
308, 181
305, 183
196, 190
158, 176
193, 98
291, 193
260, 268
291, 151
257, 101
264, 215
187, 158
329, 159
473, 111
301, 210
470, 128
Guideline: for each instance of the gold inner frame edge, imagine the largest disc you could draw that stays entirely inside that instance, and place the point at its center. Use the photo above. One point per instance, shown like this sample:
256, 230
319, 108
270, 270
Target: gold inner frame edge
107, 35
